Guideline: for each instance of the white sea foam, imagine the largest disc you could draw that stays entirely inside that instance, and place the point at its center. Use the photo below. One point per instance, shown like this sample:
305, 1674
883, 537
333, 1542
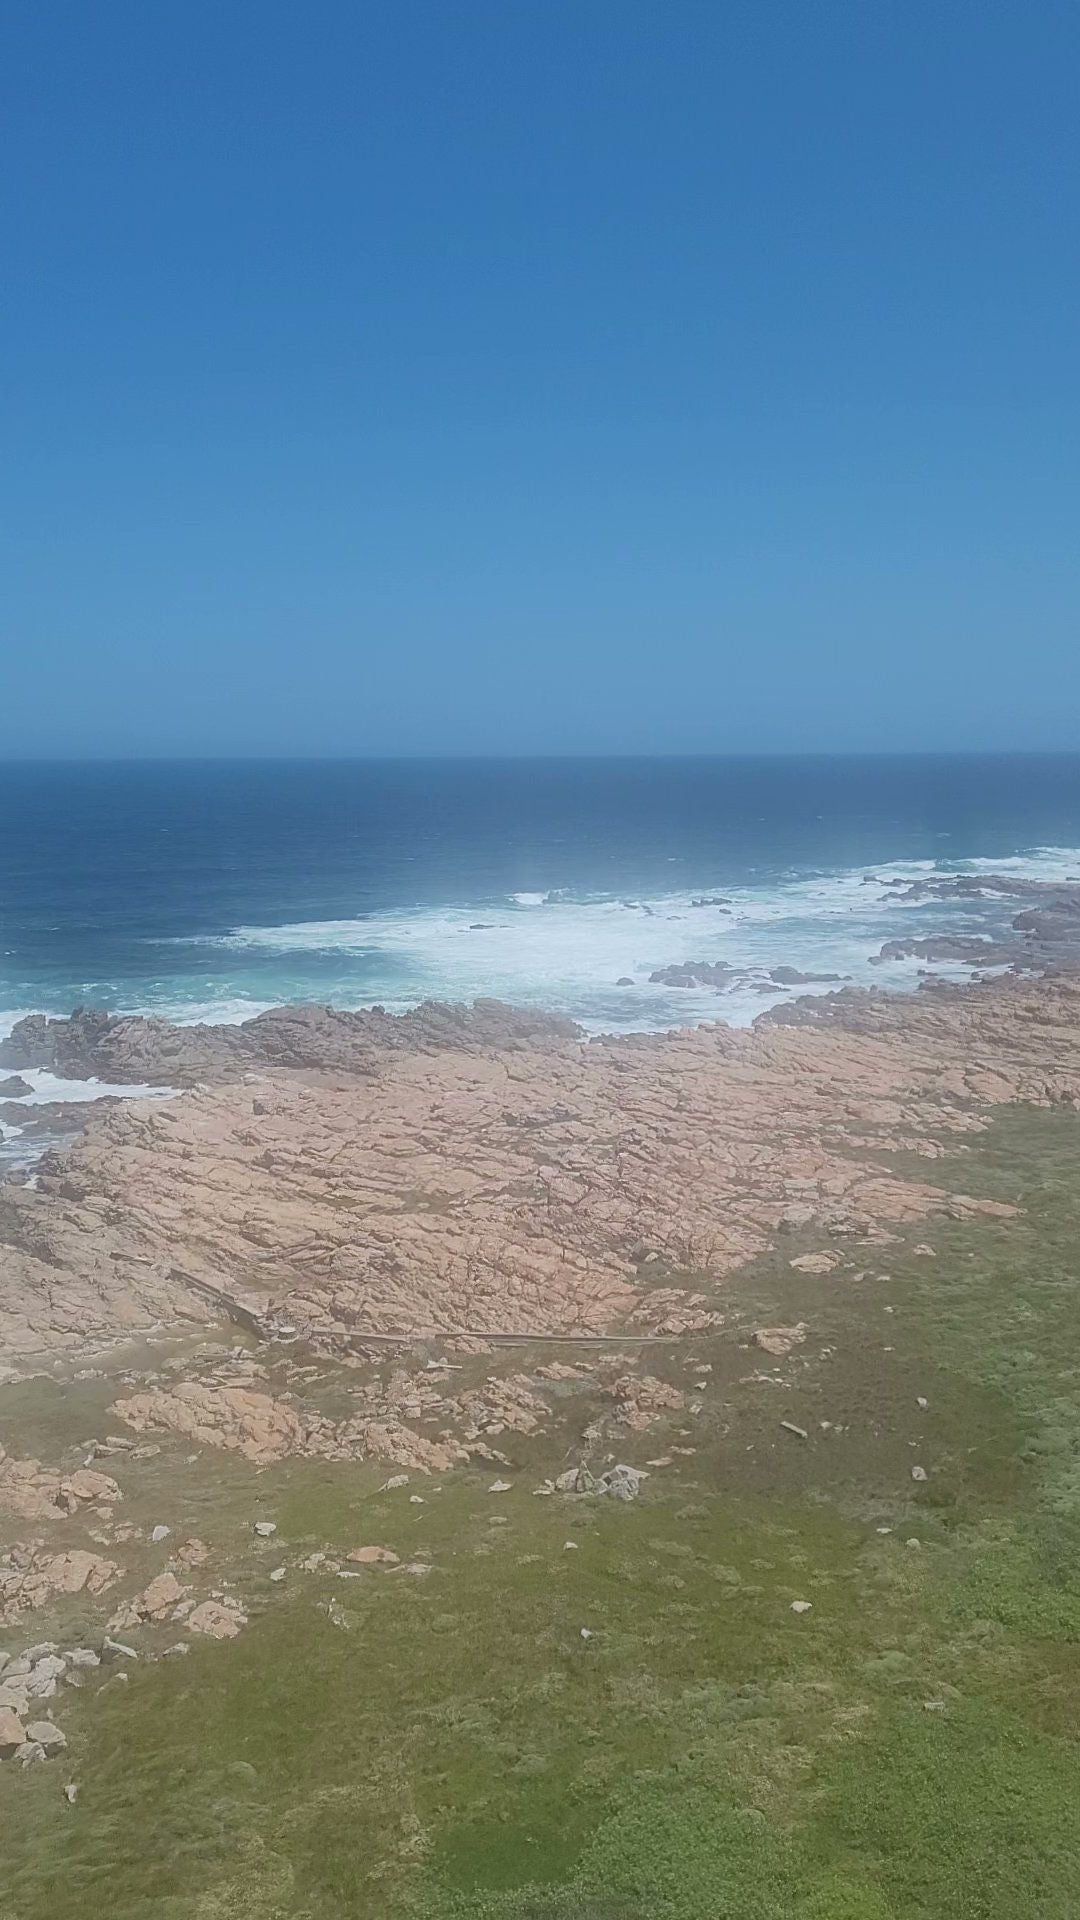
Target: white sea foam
18, 1149
567, 952
49, 1087
10, 1018
226, 1012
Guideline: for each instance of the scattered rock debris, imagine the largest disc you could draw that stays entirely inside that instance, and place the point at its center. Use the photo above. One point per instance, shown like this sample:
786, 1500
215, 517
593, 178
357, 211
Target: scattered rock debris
619, 1482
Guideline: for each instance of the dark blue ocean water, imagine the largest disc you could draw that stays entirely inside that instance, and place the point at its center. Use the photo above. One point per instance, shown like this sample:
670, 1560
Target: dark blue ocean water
209, 889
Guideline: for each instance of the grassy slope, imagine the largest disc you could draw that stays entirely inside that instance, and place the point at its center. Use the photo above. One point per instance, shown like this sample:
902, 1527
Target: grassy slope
451, 1748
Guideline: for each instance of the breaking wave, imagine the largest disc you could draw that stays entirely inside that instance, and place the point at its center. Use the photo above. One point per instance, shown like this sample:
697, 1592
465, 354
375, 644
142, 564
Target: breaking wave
591, 955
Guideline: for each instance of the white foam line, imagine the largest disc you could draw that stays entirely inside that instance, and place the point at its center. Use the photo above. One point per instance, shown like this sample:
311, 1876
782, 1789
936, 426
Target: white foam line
566, 952
46, 1088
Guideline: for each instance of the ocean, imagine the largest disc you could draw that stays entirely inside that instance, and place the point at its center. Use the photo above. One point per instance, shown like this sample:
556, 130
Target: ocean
209, 890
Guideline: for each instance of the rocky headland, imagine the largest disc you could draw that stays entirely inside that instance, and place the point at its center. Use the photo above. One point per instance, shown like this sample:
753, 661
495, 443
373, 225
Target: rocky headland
415, 1246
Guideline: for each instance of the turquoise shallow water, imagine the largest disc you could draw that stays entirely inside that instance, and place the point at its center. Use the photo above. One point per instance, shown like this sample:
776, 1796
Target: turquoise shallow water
210, 889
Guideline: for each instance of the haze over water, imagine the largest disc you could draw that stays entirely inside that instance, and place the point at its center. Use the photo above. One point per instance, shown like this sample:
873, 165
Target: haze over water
208, 890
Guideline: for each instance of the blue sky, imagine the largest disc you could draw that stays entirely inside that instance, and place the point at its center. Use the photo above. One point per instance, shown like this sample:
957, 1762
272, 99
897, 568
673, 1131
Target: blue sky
516, 376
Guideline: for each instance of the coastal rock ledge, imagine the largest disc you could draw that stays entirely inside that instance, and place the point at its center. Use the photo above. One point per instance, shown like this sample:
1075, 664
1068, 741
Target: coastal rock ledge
129, 1049
478, 1172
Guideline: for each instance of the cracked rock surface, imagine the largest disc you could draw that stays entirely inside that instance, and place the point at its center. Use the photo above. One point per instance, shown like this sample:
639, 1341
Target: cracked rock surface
503, 1179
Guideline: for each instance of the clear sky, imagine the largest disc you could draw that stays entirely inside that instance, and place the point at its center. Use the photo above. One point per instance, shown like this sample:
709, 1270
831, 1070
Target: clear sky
540, 375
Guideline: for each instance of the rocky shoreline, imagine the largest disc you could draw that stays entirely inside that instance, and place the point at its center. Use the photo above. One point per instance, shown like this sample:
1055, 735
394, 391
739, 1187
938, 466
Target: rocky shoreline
474, 1172
445, 1244
148, 1052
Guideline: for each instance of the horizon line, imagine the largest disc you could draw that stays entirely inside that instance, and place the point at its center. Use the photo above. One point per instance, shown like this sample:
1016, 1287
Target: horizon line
552, 756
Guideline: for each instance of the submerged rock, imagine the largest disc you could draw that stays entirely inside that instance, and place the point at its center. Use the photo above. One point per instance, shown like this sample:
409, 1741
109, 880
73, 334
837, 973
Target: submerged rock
791, 977
696, 973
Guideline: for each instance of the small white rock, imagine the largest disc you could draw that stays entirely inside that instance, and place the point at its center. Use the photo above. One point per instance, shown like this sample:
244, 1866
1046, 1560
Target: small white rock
71, 1792
801, 1606
586, 1633
158, 1534
921, 1401
919, 1473
500, 1486
278, 1573
41, 1683
264, 1528
570, 1546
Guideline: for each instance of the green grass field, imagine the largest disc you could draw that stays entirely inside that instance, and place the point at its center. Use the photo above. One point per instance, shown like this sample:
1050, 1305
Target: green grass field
452, 1748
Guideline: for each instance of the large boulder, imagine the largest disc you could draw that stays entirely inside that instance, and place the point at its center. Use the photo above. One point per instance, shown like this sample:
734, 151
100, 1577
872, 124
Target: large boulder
46, 1735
